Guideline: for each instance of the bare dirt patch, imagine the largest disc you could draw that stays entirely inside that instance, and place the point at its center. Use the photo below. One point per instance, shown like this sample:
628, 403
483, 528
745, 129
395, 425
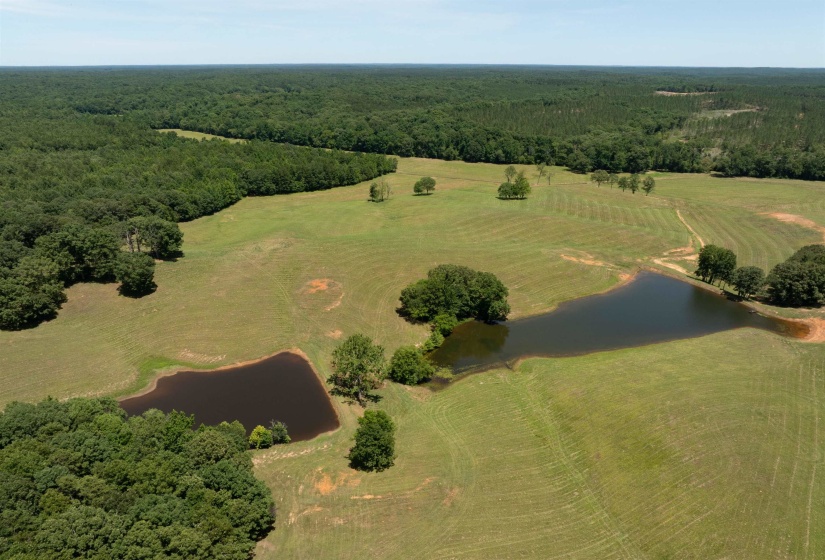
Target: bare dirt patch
335, 334
323, 291
326, 485
817, 330
798, 220
451, 496
317, 285
586, 259
671, 266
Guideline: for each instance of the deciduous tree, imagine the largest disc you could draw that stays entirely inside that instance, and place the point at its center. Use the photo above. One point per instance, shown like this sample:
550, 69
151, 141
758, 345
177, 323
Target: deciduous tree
600, 177
648, 185
409, 366
374, 448
748, 280
358, 368
425, 185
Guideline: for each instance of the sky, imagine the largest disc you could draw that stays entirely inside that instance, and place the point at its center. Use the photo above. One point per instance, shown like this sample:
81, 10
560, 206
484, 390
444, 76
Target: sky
777, 33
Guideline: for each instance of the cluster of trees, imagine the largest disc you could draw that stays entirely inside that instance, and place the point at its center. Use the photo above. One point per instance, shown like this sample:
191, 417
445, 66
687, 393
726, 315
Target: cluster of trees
455, 292
800, 280
797, 282
633, 182
516, 184
78, 479
262, 437
96, 199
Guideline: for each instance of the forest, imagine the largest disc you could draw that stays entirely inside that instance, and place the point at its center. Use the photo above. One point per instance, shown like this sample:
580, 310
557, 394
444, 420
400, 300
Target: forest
760, 123
78, 479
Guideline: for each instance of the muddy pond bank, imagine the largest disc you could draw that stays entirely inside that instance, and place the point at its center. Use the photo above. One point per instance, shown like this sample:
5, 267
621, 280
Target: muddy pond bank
283, 387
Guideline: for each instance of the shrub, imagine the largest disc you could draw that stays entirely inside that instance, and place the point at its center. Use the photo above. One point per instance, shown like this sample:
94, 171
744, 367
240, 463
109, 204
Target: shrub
374, 448
409, 366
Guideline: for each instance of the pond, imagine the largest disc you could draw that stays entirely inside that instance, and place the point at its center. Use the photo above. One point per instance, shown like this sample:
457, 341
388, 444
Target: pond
650, 309
283, 388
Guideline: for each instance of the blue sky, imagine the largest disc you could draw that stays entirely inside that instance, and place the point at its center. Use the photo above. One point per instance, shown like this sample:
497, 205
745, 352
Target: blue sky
789, 33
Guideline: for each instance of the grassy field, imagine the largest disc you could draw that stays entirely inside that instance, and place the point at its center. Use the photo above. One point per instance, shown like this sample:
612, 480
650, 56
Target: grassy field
701, 448
200, 135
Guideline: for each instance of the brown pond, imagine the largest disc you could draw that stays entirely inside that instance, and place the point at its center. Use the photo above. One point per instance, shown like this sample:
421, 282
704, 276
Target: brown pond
283, 388
648, 310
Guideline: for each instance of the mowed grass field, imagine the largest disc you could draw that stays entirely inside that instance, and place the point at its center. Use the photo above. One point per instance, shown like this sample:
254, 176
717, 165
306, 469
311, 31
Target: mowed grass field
700, 448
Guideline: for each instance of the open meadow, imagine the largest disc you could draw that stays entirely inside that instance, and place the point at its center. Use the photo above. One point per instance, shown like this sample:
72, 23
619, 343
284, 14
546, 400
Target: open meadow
701, 448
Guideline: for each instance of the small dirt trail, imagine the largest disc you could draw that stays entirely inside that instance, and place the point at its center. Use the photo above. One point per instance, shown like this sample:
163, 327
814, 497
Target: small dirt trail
692, 231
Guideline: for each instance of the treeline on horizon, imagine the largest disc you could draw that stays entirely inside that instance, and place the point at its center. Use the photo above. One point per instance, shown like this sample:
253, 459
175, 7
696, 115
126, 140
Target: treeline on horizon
76, 190
737, 122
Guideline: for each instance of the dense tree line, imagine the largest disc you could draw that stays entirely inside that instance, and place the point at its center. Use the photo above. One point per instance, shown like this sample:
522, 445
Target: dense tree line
797, 282
76, 193
78, 479
587, 119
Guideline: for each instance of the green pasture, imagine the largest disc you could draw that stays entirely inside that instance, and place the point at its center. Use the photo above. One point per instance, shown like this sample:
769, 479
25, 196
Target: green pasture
697, 449
200, 135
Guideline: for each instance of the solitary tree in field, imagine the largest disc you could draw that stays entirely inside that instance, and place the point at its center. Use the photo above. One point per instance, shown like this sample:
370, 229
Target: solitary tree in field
648, 185
374, 448
541, 167
599, 177
425, 185
358, 367
510, 173
612, 179
379, 191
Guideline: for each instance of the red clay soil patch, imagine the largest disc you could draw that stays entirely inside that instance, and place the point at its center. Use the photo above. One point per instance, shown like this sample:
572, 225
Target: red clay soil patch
317, 285
817, 330
331, 292
798, 220
326, 486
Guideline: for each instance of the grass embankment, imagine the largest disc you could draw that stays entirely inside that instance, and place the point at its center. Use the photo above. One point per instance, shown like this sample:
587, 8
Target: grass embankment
697, 448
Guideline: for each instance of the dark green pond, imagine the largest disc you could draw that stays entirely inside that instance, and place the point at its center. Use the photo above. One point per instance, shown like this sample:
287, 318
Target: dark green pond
652, 308
283, 388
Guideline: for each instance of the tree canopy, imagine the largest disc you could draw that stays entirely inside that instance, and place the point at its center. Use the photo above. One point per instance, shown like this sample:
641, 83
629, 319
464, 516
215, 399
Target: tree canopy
715, 263
800, 280
748, 280
457, 291
78, 479
358, 368
409, 366
425, 185
374, 448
